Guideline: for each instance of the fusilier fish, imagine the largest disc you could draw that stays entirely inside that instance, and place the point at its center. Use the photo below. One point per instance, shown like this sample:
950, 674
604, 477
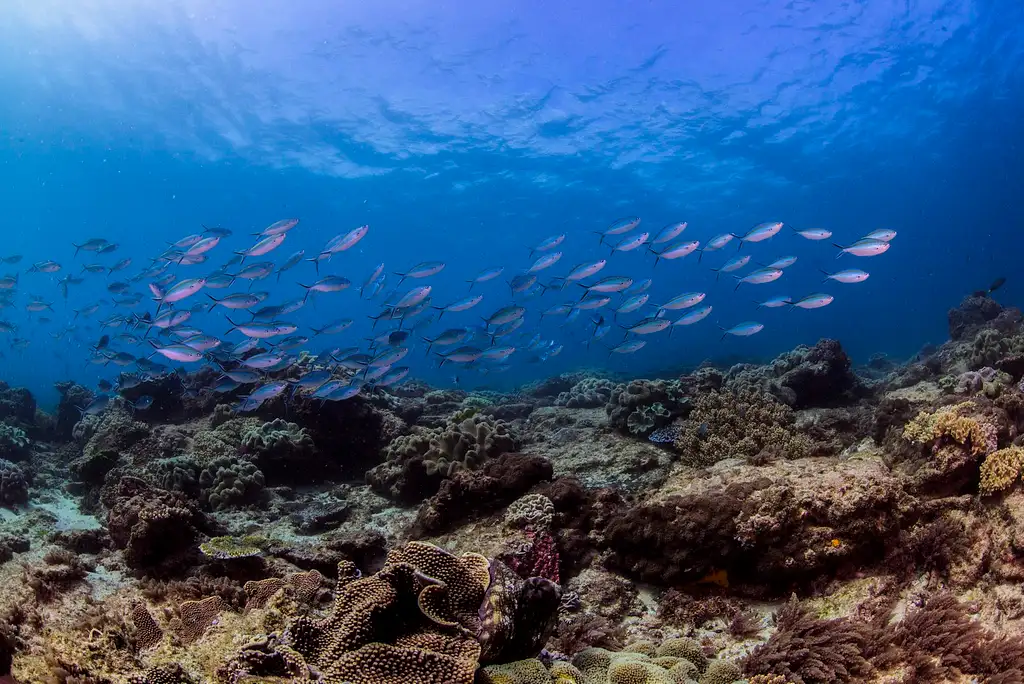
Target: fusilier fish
814, 301
850, 275
863, 248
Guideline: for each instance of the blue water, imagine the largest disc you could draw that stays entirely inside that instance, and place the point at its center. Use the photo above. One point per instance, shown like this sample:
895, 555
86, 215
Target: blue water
467, 132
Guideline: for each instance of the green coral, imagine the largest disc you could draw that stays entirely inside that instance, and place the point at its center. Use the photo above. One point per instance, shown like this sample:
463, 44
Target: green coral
228, 547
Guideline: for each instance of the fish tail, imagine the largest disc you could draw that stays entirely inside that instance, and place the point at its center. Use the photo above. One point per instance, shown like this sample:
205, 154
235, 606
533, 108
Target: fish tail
471, 284
657, 258
738, 281
700, 255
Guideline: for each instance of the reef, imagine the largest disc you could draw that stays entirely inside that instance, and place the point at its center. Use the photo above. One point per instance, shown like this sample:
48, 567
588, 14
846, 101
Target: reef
796, 521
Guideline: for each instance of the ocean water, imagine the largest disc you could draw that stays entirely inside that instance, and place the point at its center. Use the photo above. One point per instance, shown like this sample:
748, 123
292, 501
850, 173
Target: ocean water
468, 132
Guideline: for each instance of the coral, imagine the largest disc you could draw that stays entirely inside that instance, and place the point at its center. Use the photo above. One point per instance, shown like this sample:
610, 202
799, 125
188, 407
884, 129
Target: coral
818, 376
972, 312
227, 548
306, 585
14, 443
533, 511
721, 672
115, 434
169, 673
61, 570
954, 438
518, 672
805, 649
411, 621
1001, 469
283, 451
471, 494
679, 609
320, 516
684, 648
746, 423
640, 406
417, 463
645, 419
147, 631
156, 529
536, 556
72, 397
17, 405
517, 614
13, 486
231, 482
587, 393
580, 632
195, 617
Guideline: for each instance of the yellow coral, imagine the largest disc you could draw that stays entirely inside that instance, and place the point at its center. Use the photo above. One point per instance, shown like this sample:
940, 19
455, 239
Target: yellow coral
530, 671
1001, 469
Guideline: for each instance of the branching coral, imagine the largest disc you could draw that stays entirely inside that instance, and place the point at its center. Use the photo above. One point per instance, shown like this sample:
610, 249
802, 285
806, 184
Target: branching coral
1001, 469
805, 649
746, 423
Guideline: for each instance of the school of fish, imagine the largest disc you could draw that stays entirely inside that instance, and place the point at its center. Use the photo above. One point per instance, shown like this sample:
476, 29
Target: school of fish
150, 324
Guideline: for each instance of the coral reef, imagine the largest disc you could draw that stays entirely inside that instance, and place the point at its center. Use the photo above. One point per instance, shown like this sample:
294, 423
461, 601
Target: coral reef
587, 393
283, 451
417, 463
13, 486
230, 482
641, 406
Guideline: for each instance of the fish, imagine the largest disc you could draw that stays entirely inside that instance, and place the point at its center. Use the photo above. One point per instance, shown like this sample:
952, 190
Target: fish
996, 284
609, 284
118, 287
676, 250
733, 264
97, 406
669, 232
268, 391
485, 275
850, 275
119, 266
761, 275
505, 315
631, 243
422, 270
776, 302
693, 316
242, 300
639, 286
628, 347
203, 246
334, 328
461, 305
201, 342
546, 261
743, 329
256, 271
618, 227
142, 403
814, 301
388, 357
186, 242
448, 338
522, 283
290, 262
328, 284
102, 343
8, 282
548, 244
461, 355
264, 246
264, 361
497, 353
865, 247
243, 377
761, 232
586, 270
413, 297
44, 267
182, 290
262, 330
814, 234
178, 352
883, 235
13, 259
218, 231
683, 301
108, 248
90, 245
375, 277
649, 325
592, 301
782, 262
341, 243
93, 268
632, 304
715, 243
393, 376
279, 227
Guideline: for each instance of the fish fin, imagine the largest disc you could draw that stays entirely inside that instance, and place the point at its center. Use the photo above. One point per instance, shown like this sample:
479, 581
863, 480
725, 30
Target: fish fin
738, 281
